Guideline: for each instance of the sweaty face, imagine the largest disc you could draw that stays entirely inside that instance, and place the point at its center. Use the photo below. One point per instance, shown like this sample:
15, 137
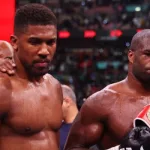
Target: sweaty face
36, 48
141, 64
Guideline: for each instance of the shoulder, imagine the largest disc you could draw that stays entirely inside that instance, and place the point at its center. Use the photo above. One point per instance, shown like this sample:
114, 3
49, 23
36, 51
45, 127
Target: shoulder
5, 86
54, 85
5, 94
104, 96
52, 81
5, 81
100, 102
118, 87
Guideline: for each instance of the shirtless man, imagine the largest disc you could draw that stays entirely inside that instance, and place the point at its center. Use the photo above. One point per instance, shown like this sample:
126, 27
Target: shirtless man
108, 115
31, 100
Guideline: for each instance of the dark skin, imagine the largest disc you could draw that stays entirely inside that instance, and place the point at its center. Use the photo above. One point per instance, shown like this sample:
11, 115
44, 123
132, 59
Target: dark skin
31, 114
107, 116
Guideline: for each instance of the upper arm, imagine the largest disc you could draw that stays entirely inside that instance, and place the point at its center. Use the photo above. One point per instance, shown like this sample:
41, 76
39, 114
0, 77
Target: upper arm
87, 128
5, 95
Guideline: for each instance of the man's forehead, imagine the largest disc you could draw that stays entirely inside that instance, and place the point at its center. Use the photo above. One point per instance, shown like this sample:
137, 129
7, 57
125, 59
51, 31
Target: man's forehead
145, 42
41, 28
40, 31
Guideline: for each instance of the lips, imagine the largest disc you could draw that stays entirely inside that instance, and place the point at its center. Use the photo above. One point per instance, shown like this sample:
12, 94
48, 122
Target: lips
41, 64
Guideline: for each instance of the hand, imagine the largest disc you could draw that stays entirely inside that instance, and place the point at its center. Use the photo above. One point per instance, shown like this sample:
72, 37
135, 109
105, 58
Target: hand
7, 66
137, 139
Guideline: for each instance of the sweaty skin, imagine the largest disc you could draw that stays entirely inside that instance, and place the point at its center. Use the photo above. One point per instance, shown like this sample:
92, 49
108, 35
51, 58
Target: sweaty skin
31, 106
107, 116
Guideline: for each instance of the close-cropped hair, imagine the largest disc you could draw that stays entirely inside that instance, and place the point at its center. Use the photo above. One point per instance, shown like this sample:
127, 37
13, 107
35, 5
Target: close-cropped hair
138, 39
33, 14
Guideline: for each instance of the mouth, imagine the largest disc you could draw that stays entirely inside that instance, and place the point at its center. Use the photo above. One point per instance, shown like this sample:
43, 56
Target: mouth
41, 64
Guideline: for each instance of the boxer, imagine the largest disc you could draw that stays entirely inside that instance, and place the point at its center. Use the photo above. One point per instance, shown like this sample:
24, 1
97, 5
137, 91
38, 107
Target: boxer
31, 100
107, 115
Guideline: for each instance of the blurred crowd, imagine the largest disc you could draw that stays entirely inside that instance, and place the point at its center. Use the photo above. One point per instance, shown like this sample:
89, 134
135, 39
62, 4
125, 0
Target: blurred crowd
90, 14
98, 14
89, 70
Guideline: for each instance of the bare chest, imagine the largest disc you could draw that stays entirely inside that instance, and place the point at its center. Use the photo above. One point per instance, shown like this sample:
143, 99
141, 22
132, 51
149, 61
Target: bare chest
122, 115
33, 110
120, 119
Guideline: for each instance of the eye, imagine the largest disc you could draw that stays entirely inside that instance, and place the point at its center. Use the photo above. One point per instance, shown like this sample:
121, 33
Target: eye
147, 54
51, 42
8, 58
34, 41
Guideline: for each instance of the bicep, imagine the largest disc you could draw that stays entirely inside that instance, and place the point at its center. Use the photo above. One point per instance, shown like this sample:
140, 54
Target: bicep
85, 131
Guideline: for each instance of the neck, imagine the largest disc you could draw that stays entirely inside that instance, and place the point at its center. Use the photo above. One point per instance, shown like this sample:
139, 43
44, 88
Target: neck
138, 86
22, 73
71, 114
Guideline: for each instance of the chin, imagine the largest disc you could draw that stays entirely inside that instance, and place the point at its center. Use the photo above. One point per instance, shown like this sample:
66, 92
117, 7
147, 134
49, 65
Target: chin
40, 73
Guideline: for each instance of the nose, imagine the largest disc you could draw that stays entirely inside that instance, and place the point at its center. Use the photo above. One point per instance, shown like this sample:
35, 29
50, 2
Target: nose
44, 51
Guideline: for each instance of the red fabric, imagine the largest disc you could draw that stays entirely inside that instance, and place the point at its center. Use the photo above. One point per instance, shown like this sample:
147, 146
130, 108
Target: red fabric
7, 11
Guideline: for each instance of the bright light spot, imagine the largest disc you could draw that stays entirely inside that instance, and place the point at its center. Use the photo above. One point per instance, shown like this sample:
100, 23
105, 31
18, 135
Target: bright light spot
138, 9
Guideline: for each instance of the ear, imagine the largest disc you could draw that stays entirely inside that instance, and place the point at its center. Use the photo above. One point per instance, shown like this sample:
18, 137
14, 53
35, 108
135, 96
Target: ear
14, 41
131, 56
67, 101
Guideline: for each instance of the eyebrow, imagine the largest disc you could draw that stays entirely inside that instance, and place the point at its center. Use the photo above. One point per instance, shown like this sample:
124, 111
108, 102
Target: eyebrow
34, 36
146, 50
40, 39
